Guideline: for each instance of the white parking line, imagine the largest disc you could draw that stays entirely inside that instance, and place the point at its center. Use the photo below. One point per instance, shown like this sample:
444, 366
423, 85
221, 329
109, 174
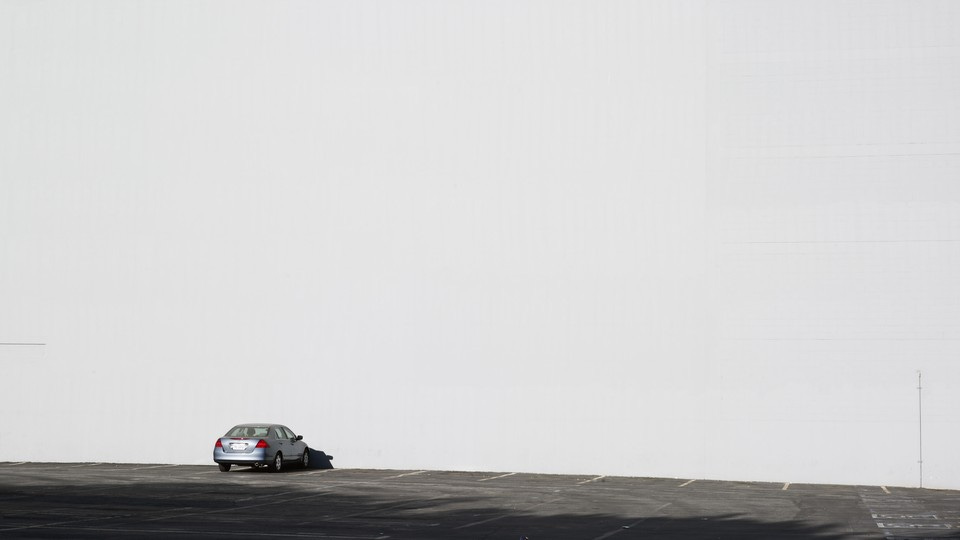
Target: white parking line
254, 497
590, 480
382, 509
501, 516
191, 532
151, 467
52, 524
405, 474
495, 477
786, 486
631, 525
179, 512
885, 490
475, 523
687, 483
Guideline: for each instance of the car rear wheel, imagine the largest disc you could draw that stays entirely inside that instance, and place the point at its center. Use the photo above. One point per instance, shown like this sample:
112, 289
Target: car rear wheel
224, 467
277, 462
305, 460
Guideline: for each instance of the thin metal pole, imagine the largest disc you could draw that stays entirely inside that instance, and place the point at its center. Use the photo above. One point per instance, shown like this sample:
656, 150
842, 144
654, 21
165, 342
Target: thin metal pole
920, 413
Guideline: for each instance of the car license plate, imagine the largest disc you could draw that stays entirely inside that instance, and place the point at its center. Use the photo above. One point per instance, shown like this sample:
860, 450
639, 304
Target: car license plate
238, 446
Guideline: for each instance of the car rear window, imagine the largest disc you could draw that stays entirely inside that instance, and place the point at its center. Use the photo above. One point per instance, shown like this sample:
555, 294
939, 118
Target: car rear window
249, 431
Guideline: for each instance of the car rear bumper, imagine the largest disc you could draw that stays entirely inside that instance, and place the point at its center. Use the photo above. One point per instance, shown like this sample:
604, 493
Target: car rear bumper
259, 455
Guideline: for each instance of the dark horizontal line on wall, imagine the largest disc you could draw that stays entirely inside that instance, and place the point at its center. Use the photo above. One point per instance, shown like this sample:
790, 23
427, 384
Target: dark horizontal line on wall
850, 156
840, 339
922, 241
10, 344
861, 145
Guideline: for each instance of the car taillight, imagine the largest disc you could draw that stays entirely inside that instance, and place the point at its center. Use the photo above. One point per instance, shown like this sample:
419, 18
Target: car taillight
262, 444
219, 444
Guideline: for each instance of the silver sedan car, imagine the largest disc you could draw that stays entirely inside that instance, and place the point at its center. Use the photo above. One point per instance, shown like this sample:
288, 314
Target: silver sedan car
256, 445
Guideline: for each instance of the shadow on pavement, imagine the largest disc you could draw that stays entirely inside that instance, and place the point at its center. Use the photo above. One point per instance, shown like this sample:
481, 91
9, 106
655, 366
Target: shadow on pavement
320, 460
224, 504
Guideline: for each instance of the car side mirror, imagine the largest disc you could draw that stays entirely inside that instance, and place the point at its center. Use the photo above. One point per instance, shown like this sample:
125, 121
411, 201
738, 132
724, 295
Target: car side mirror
299, 437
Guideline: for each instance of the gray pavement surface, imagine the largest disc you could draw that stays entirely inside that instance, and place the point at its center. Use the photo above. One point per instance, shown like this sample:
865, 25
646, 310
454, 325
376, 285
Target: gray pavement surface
99, 500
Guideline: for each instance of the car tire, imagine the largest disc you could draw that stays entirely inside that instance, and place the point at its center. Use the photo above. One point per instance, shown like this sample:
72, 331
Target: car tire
224, 467
277, 462
305, 460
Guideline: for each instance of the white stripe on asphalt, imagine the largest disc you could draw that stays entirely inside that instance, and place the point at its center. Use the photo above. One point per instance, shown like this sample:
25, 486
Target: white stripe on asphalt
501, 516
326, 491
468, 525
591, 480
382, 509
785, 486
631, 525
179, 531
687, 483
404, 474
495, 477
53, 524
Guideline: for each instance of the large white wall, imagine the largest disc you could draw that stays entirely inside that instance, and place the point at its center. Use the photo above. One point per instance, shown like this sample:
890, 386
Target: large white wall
693, 239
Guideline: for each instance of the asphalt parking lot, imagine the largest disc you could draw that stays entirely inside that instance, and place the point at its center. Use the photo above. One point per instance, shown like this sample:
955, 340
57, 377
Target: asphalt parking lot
99, 500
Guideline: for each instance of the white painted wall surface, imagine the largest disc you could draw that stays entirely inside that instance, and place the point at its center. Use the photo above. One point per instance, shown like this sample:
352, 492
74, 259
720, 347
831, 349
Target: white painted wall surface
685, 239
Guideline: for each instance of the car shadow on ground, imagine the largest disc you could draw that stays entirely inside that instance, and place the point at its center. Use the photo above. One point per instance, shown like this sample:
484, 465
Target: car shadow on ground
320, 460
198, 509
96, 501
